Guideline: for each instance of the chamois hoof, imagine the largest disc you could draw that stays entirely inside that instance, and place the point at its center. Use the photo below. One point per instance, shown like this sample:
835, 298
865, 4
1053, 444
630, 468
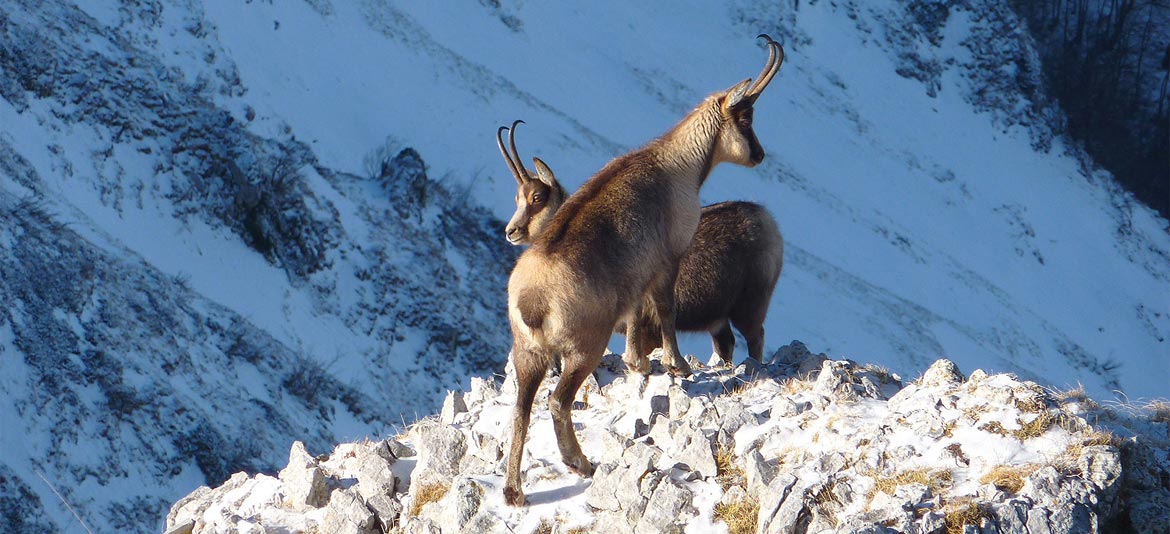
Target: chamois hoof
513, 496
640, 366
680, 369
581, 467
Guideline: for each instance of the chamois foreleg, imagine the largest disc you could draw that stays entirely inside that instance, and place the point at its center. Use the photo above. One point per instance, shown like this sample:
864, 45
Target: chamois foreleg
530, 370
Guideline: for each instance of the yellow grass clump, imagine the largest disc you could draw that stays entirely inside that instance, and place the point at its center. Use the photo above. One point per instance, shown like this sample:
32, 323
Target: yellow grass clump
741, 516
426, 494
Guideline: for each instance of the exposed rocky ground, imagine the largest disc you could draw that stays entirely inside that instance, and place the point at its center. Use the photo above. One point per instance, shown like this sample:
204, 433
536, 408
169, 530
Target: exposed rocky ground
802, 443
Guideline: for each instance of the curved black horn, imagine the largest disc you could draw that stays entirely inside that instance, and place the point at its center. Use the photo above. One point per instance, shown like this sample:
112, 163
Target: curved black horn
775, 59
516, 155
507, 158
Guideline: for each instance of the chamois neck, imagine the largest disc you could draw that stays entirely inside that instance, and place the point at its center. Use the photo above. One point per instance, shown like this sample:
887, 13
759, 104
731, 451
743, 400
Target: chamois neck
688, 149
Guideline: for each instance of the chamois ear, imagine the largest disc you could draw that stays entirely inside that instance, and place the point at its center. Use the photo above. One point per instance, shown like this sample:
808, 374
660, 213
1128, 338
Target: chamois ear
737, 92
544, 174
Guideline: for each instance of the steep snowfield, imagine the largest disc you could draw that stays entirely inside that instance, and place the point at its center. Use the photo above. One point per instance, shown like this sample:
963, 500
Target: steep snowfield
928, 210
918, 226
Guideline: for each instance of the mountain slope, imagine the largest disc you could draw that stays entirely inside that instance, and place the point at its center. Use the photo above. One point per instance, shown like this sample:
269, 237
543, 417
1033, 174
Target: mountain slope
230, 185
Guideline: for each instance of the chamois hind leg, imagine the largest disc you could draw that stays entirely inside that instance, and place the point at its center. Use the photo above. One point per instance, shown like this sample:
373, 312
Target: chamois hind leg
530, 369
662, 296
723, 340
635, 356
749, 320
578, 364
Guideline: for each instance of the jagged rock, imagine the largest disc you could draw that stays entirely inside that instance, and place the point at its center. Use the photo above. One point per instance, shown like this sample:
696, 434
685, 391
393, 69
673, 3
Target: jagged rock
302, 480
666, 509
1101, 465
347, 514
786, 407
733, 415
481, 391
758, 472
452, 406
680, 402
374, 474
613, 446
190, 507
457, 511
420, 525
440, 450
778, 494
1011, 517
1148, 511
398, 449
694, 448
941, 373
835, 381
792, 354
641, 456
487, 448
662, 431
693, 361
186, 527
614, 487
840, 454
659, 406
387, 509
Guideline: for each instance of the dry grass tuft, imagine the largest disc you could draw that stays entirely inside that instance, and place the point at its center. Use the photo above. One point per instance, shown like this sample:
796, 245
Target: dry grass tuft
961, 514
935, 479
1009, 478
1030, 404
1075, 395
741, 516
1159, 410
994, 427
794, 385
727, 473
1035, 427
427, 493
545, 527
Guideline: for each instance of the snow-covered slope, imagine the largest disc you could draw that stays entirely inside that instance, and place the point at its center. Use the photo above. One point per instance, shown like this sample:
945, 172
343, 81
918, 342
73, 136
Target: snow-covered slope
225, 184
928, 208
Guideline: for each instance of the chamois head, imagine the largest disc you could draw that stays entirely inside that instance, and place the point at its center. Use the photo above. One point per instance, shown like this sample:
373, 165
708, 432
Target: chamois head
537, 199
737, 141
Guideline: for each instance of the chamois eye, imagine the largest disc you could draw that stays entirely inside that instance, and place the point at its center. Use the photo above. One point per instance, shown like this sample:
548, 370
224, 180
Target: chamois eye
537, 198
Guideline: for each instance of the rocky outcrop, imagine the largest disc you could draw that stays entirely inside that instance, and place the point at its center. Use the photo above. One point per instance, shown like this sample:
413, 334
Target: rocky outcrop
802, 443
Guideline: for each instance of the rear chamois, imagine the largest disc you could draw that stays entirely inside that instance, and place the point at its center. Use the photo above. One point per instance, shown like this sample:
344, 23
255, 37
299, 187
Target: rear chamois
613, 246
725, 278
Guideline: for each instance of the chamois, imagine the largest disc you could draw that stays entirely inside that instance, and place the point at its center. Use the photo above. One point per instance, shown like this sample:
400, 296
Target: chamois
613, 247
725, 278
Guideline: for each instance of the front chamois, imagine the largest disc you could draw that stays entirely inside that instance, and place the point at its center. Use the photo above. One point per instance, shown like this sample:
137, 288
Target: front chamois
726, 277
614, 246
